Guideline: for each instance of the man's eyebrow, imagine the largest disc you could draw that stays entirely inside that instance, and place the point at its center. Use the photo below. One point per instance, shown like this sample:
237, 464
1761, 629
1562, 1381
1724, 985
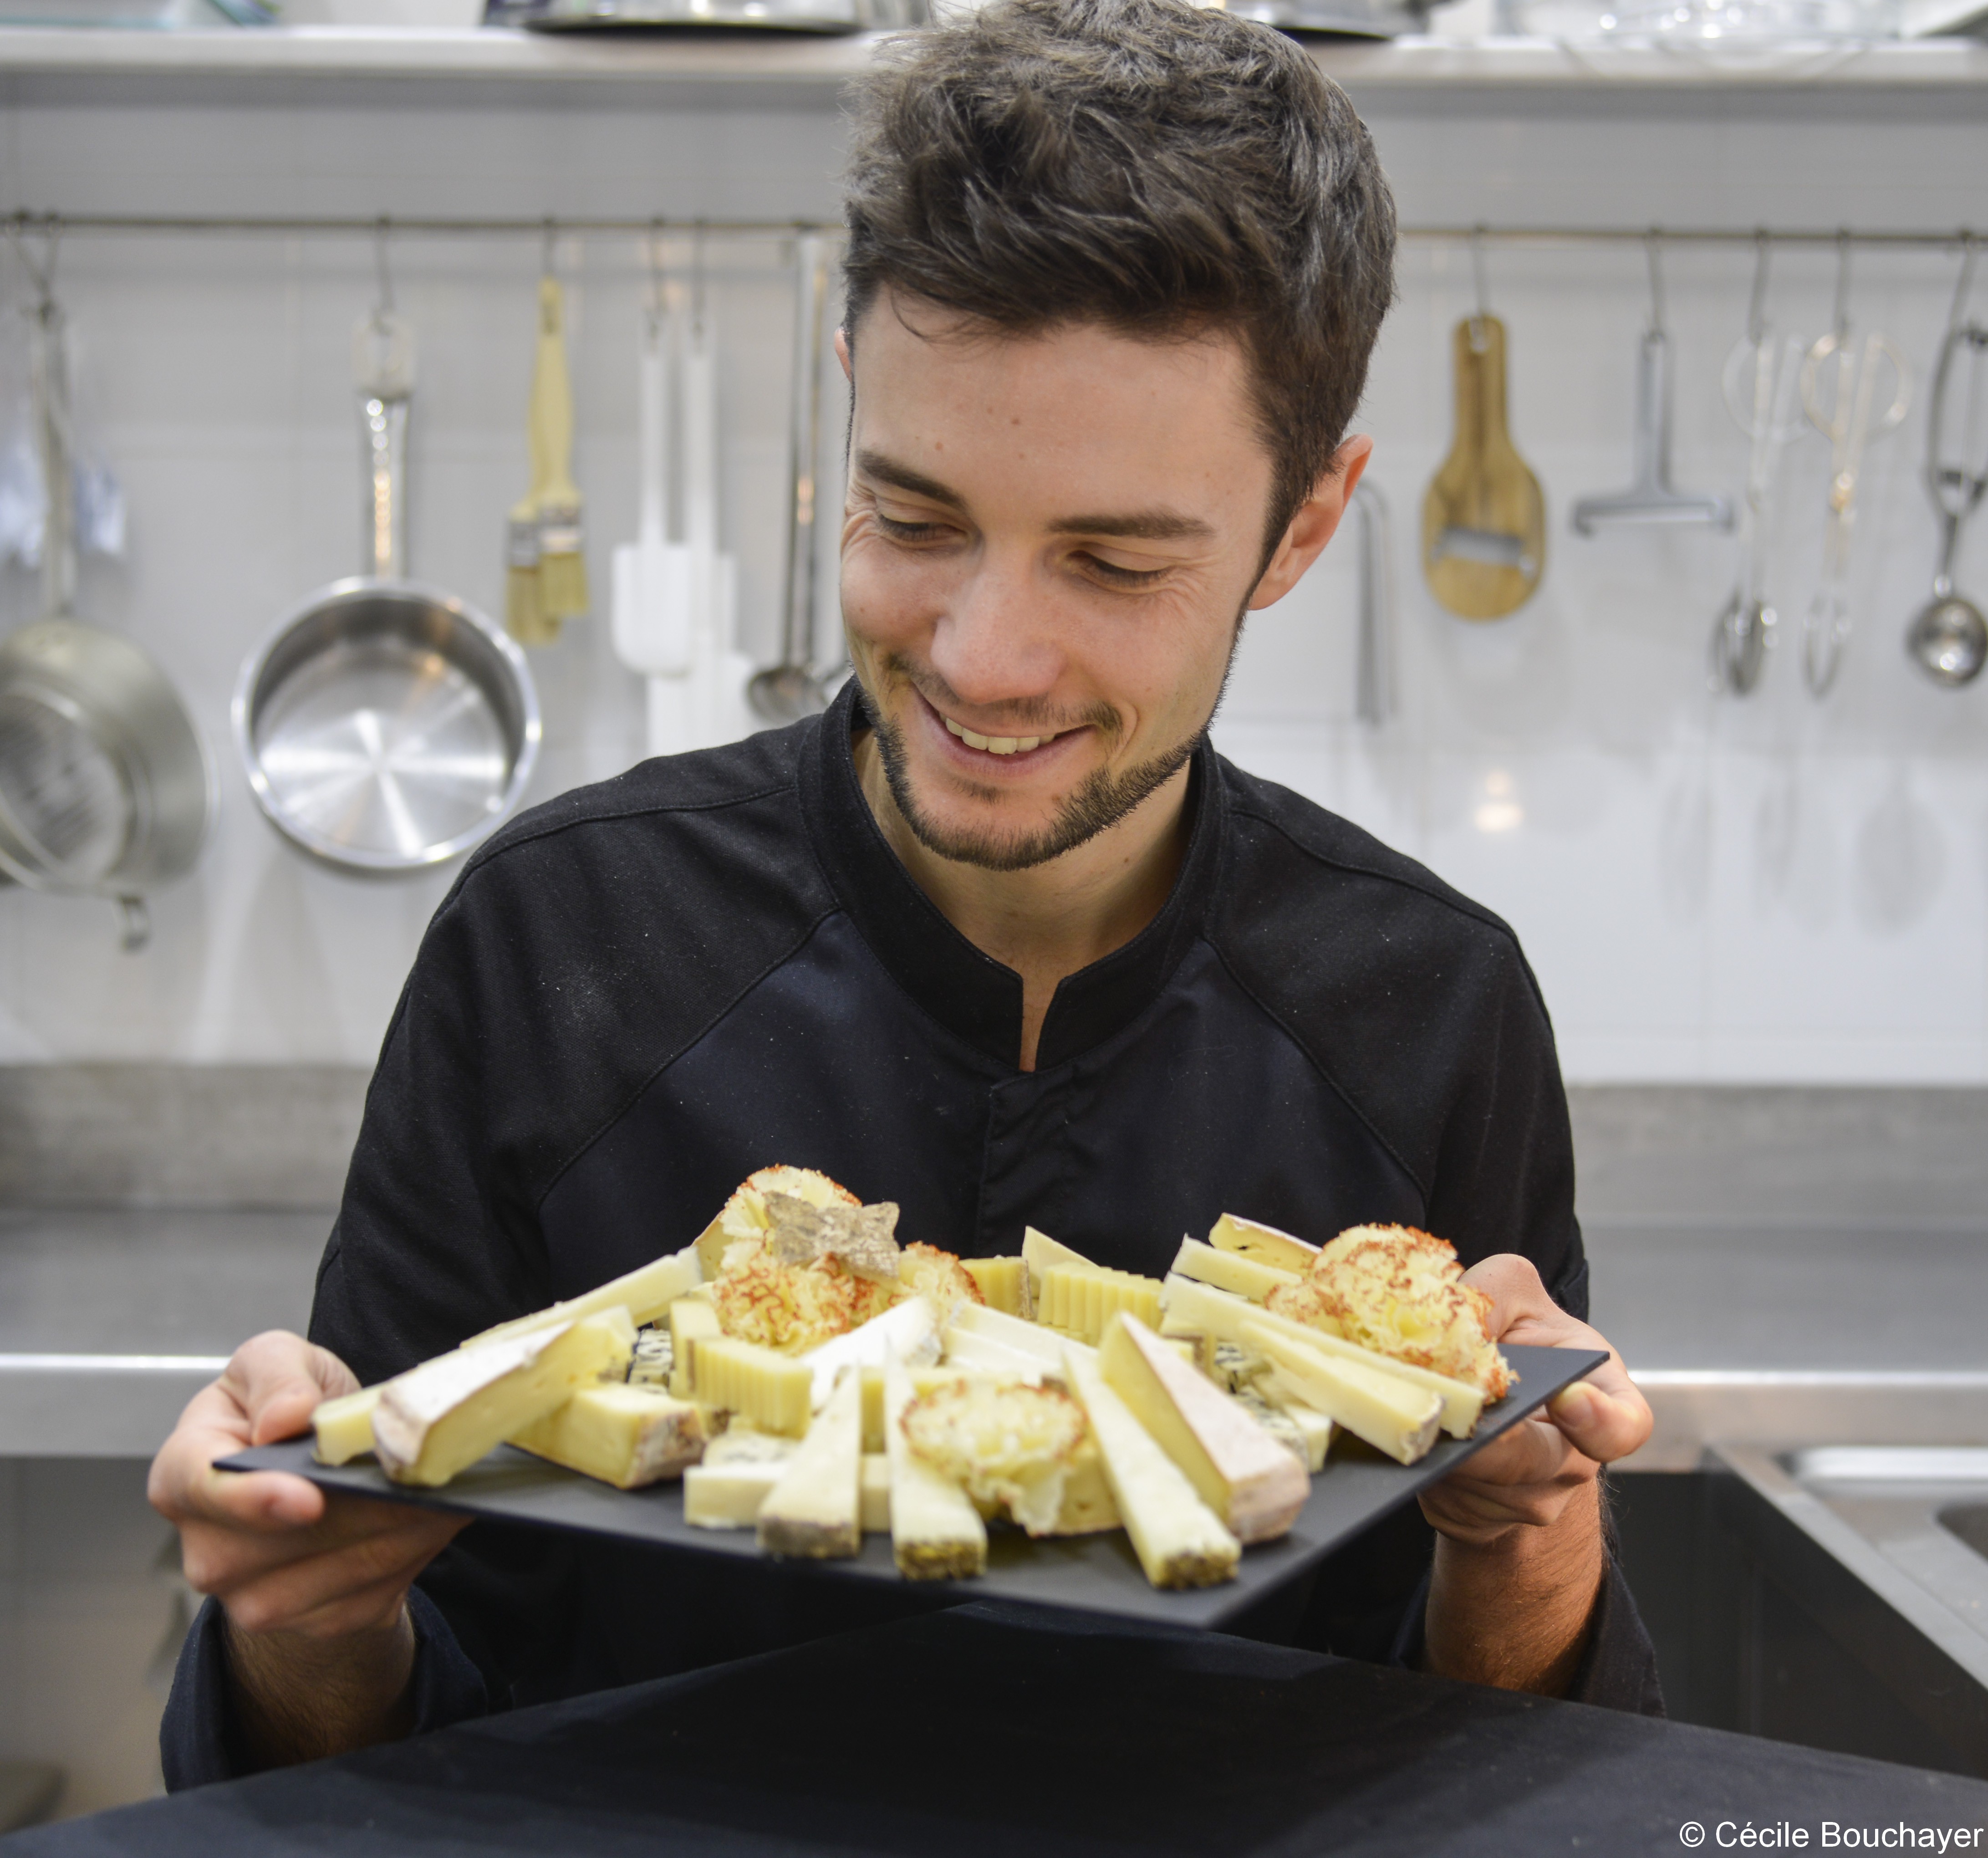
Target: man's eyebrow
902, 477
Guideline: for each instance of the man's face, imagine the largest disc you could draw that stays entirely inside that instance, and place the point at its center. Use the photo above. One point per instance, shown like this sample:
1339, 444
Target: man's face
1048, 545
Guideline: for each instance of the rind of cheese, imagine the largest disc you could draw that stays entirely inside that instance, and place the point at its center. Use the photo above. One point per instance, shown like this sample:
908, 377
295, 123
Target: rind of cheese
1249, 1481
1026, 1338
815, 1512
1224, 1316
936, 1534
1180, 1541
1393, 1416
1400, 1292
343, 1428
644, 1294
440, 1418
1002, 1441
625, 1435
691, 1321
1234, 1271
1246, 1239
774, 1392
1079, 1299
744, 1215
1039, 1252
1004, 1285
909, 1329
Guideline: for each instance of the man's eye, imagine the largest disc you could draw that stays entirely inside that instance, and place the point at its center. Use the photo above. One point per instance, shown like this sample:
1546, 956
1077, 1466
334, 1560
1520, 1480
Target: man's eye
906, 532
1115, 576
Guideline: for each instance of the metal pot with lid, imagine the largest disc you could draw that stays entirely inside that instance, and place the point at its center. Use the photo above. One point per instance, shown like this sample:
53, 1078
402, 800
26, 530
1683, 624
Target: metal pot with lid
385, 726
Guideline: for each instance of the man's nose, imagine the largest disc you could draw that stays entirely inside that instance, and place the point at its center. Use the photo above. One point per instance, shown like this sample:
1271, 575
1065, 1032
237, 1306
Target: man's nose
998, 642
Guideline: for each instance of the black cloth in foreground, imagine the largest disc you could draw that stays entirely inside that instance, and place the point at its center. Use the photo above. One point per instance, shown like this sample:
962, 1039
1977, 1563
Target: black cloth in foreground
641, 992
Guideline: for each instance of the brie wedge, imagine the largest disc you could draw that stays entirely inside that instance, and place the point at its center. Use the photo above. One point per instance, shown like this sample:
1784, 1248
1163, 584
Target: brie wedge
644, 1294
1233, 1271
1246, 1239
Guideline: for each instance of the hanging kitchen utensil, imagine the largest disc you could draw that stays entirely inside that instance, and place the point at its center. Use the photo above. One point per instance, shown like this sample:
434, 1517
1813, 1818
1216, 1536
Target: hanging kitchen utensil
1484, 520
1373, 666
385, 726
790, 689
106, 788
1841, 392
1761, 378
1650, 499
1949, 639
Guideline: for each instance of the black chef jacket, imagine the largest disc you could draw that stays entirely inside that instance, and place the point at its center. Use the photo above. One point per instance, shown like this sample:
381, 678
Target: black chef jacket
640, 991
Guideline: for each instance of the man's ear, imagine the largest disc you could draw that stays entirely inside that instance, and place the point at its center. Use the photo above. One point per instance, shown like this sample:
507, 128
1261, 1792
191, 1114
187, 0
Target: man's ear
842, 354
1318, 516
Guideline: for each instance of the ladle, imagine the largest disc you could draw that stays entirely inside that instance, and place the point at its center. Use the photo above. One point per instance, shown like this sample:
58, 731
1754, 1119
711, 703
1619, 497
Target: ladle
1948, 637
790, 690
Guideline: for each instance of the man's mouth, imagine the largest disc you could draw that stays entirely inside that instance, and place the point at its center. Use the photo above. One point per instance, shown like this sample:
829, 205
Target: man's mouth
997, 745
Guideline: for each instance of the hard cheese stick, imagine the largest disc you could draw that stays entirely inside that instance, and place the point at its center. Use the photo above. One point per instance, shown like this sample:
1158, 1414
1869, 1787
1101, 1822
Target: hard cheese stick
1215, 1313
1253, 1483
1179, 1540
1004, 1283
774, 1390
1079, 1299
627, 1436
1393, 1416
643, 1293
440, 1418
815, 1510
1233, 1271
936, 1534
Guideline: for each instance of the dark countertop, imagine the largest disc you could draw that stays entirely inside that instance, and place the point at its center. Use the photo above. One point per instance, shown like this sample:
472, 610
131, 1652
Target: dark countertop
990, 1729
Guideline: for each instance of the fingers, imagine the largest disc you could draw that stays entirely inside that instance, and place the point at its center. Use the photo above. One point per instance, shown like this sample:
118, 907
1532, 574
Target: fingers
347, 1586
1603, 1422
1517, 1293
278, 1379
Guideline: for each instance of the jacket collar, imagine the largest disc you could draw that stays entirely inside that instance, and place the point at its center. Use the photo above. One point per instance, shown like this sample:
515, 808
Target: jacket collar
972, 995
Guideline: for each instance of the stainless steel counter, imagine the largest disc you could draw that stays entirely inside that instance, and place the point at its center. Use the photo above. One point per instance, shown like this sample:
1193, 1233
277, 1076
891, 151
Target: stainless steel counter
110, 1321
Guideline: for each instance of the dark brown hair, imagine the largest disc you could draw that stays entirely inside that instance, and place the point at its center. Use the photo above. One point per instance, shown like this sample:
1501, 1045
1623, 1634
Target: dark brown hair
1146, 164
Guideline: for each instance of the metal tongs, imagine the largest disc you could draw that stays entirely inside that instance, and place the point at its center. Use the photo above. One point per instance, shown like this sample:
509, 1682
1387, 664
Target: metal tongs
1844, 411
1650, 498
1763, 374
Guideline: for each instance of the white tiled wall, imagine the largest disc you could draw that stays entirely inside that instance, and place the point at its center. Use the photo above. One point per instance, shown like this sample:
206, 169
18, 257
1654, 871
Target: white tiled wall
1770, 890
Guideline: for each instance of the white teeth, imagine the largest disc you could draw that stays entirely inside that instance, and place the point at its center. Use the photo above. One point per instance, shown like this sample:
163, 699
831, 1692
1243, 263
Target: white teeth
996, 745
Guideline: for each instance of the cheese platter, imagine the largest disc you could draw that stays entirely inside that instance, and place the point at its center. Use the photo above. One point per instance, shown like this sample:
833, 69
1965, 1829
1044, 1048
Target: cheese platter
1099, 1573
798, 1385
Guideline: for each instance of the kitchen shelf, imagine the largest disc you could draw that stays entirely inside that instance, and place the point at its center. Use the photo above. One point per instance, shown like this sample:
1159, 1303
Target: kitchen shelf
797, 66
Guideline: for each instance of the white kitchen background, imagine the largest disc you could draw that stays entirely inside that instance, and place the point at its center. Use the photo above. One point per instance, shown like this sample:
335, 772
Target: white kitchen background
1770, 890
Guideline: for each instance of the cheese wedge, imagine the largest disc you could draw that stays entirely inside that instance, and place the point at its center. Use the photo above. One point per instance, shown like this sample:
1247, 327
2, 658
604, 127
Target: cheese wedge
627, 1436
691, 1321
1080, 1299
1253, 1483
740, 1469
936, 1534
1392, 1415
772, 1390
644, 1294
440, 1418
1027, 1338
1039, 1252
1233, 1271
1304, 1432
910, 1329
344, 1427
1225, 1317
1246, 1239
968, 1349
815, 1510
1088, 1507
1004, 1283
1180, 1541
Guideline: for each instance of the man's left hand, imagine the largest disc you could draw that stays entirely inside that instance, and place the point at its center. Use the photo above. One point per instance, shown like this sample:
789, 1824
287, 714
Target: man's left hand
1529, 1476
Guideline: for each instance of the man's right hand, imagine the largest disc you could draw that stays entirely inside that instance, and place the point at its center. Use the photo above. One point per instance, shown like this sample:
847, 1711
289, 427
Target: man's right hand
314, 1587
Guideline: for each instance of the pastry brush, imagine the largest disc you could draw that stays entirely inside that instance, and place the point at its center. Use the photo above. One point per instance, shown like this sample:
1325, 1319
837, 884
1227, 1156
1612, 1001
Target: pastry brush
562, 566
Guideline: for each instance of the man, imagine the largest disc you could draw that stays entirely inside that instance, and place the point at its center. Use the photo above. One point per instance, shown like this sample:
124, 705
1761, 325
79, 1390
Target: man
1000, 938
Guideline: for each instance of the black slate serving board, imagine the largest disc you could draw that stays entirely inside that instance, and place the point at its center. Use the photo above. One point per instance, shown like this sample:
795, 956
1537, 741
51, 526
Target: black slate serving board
1098, 1574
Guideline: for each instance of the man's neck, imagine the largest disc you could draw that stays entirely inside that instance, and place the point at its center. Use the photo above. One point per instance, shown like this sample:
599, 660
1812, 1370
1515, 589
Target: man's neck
1052, 919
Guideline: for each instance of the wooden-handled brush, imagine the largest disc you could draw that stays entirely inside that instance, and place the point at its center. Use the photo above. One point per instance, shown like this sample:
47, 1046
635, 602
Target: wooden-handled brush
562, 566
524, 612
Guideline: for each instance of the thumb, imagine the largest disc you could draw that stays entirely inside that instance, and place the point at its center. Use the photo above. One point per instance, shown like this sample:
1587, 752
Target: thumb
1604, 1426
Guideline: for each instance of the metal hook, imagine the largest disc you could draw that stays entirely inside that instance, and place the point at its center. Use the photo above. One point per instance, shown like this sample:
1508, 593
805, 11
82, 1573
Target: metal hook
548, 235
1653, 250
43, 274
1964, 285
1477, 336
385, 306
1842, 318
654, 248
697, 281
1756, 307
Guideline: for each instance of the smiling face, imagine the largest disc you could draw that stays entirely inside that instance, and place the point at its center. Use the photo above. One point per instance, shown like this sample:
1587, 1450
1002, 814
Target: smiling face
1049, 543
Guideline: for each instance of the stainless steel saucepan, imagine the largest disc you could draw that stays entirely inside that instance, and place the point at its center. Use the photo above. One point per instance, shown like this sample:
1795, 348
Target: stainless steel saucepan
385, 726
